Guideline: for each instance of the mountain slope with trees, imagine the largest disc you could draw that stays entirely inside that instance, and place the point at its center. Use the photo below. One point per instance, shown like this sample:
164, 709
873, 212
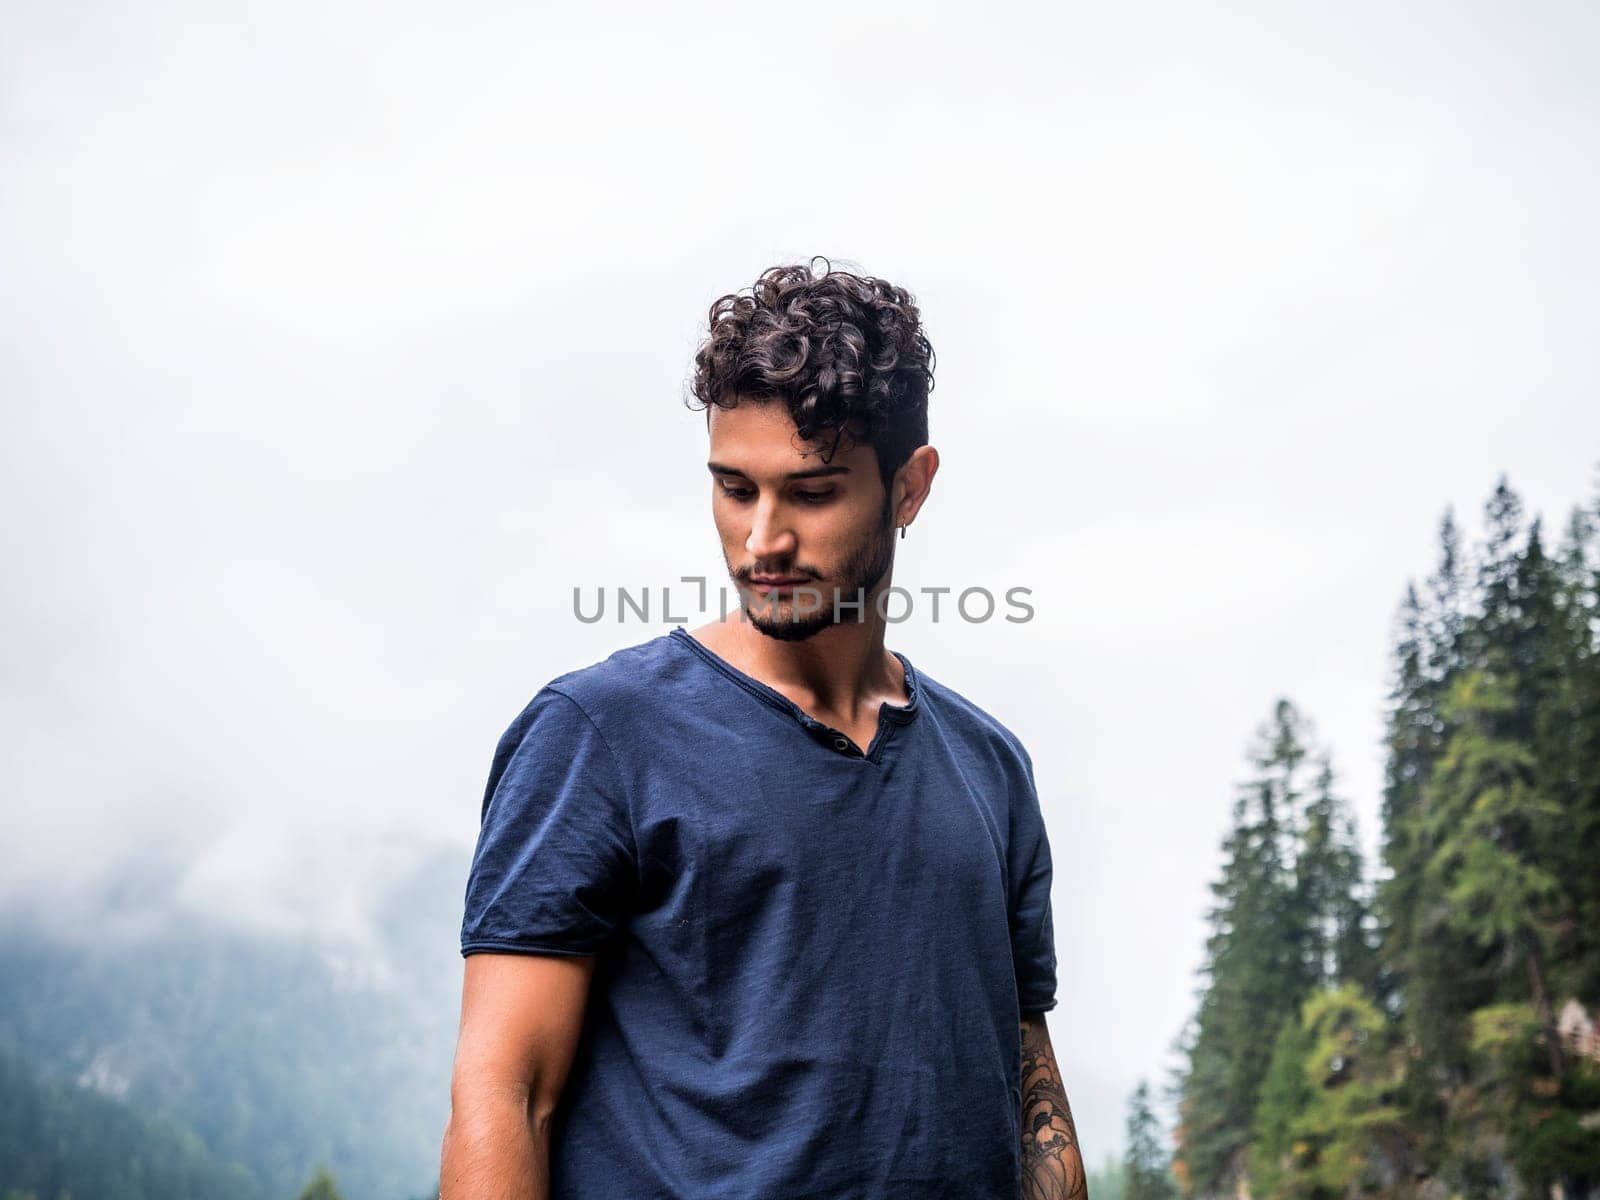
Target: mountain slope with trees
1430, 1033
61, 1140
270, 1052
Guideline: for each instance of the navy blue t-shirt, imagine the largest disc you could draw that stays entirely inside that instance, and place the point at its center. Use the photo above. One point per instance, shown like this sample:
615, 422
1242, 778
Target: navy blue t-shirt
811, 959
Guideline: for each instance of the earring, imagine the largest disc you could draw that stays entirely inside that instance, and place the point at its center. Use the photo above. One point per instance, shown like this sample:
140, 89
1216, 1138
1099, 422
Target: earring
902, 533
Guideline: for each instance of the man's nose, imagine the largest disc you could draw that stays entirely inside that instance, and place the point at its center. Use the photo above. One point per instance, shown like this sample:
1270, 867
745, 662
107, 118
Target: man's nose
770, 538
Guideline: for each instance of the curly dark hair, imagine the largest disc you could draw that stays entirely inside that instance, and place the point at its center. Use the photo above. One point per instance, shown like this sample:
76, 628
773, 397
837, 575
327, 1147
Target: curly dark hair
845, 353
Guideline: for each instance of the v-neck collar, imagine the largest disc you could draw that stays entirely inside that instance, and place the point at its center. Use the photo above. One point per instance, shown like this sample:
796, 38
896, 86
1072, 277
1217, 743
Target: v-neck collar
889, 715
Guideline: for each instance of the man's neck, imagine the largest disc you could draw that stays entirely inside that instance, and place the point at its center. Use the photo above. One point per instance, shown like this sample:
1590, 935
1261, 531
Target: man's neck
840, 669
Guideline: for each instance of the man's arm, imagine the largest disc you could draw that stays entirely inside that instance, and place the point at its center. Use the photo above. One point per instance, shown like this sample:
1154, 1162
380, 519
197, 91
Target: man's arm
521, 1015
1052, 1163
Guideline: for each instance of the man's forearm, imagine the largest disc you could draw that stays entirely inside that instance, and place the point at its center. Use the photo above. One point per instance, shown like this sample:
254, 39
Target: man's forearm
495, 1149
1052, 1162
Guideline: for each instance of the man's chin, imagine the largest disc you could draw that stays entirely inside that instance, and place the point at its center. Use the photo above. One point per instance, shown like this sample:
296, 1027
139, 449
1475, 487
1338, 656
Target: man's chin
786, 620
791, 629
780, 622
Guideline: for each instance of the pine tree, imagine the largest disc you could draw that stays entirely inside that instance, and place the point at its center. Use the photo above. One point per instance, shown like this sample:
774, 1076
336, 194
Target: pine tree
1427, 656
1147, 1170
1329, 890
1255, 967
1275, 1149
1567, 747
1412, 748
1446, 605
1433, 975
1496, 619
1487, 819
1437, 1069
321, 1186
1351, 1129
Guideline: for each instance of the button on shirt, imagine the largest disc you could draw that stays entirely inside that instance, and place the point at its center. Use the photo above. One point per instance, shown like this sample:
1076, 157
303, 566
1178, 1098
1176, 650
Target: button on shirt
811, 957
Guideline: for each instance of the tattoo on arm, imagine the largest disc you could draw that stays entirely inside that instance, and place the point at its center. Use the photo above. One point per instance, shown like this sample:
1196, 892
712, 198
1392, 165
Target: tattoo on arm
1052, 1163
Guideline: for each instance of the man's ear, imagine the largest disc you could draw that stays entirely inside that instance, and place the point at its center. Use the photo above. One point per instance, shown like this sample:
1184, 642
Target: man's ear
913, 482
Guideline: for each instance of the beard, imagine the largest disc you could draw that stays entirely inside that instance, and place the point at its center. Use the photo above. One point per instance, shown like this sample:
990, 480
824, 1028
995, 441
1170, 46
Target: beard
867, 564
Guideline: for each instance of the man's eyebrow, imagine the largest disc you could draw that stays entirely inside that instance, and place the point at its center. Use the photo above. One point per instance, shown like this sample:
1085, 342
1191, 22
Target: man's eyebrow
717, 468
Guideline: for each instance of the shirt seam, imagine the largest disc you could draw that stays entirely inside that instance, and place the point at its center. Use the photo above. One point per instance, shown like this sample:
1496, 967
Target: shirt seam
775, 701
534, 946
622, 778
899, 714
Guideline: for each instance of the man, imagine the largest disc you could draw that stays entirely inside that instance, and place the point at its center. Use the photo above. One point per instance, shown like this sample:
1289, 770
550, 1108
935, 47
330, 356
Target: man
759, 911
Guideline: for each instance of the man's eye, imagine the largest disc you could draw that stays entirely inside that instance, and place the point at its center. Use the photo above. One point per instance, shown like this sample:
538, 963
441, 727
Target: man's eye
804, 497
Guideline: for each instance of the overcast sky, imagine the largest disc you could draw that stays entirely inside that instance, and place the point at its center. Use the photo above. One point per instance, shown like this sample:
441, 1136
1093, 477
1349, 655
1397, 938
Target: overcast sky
341, 341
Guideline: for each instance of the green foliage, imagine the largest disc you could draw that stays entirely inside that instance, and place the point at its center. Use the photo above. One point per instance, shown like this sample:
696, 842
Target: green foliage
1503, 1037
59, 1141
1285, 1096
1545, 1124
1559, 1146
1351, 1120
1255, 963
1331, 911
1486, 819
1326, 1117
1290, 917
1146, 1166
277, 1053
1415, 1050
1107, 1180
321, 1187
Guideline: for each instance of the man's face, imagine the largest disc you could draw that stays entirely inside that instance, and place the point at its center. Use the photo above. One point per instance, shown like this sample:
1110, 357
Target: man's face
784, 514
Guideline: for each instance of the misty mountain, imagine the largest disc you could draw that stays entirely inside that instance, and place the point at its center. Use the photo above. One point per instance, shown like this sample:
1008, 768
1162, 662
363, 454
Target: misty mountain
62, 1139
269, 1050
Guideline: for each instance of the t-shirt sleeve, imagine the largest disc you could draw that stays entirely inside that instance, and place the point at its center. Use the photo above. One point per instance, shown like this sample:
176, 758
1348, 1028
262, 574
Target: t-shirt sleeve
1033, 943
554, 864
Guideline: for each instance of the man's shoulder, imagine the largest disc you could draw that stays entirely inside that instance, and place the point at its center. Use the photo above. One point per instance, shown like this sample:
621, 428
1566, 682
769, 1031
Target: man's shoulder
971, 719
632, 677
631, 696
